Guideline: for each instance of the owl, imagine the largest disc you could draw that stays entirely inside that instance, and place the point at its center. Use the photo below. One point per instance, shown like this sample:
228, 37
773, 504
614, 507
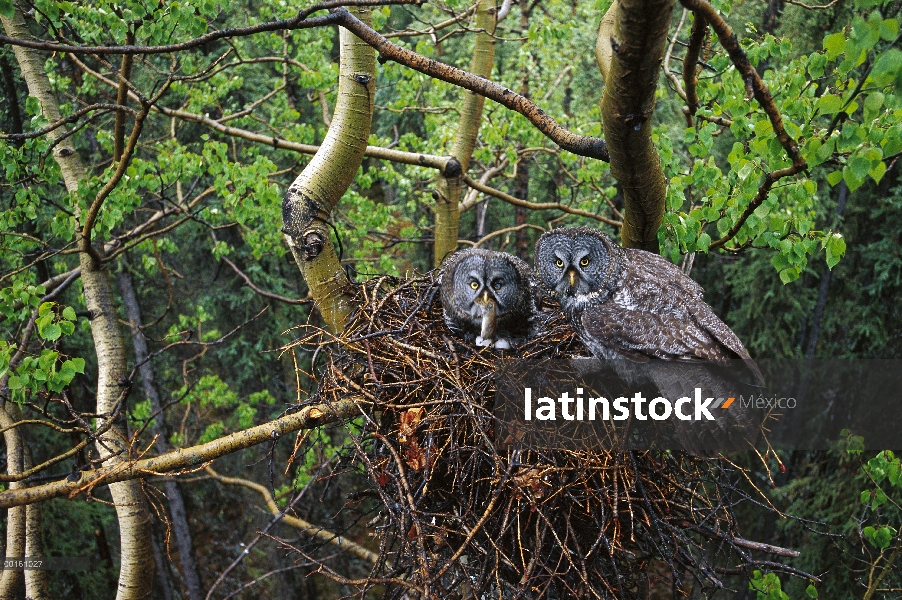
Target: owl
489, 297
635, 306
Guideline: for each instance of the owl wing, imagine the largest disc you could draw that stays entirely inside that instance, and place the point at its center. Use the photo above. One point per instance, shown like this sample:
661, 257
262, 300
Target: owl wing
659, 312
641, 335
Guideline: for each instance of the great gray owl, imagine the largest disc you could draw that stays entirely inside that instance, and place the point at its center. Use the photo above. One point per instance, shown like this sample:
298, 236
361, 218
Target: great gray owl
488, 296
634, 305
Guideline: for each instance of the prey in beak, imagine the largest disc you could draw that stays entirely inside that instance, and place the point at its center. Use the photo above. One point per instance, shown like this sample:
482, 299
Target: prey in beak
488, 315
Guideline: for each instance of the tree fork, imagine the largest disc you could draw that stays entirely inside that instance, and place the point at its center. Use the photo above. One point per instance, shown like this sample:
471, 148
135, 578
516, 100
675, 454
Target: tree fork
630, 50
308, 203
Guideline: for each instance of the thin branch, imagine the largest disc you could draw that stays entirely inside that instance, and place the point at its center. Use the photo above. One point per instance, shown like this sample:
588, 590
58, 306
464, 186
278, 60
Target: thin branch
690, 64
761, 196
264, 293
65, 121
810, 6
538, 206
507, 230
740, 59
299, 21
432, 29
305, 527
667, 56
591, 147
306, 418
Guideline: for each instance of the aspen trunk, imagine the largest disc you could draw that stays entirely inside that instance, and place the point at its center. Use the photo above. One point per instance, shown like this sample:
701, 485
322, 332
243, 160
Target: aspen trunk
136, 571
448, 189
630, 49
308, 203
178, 514
11, 579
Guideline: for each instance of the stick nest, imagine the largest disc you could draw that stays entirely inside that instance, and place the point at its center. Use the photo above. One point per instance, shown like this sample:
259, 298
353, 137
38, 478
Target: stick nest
461, 513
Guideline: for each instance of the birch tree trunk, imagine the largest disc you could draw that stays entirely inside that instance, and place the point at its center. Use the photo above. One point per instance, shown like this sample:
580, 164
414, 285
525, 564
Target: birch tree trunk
309, 201
178, 514
11, 579
448, 189
136, 563
630, 49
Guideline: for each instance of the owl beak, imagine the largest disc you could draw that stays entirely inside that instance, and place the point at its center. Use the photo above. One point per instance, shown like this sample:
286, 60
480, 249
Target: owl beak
571, 274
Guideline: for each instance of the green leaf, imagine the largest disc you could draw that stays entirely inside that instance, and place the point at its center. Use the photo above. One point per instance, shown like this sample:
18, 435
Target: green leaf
45, 308
69, 313
829, 104
78, 364
883, 537
789, 275
834, 177
872, 104
879, 498
52, 332
834, 44
865, 496
811, 591
887, 67
33, 106
704, 241
15, 382
889, 29
836, 249
6, 8
878, 171
852, 179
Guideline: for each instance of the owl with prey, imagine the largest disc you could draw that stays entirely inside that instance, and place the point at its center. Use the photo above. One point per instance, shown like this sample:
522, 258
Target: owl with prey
488, 297
634, 306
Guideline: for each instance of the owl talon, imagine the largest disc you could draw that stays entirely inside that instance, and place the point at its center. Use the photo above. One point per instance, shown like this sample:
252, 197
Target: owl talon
503, 344
482, 342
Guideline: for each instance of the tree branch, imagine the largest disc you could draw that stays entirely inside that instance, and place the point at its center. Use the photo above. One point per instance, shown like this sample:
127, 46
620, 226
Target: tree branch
536, 205
730, 42
299, 21
690, 63
306, 418
305, 527
588, 146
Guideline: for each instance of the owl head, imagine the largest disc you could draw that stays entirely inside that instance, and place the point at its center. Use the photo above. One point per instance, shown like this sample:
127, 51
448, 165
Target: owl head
576, 264
487, 295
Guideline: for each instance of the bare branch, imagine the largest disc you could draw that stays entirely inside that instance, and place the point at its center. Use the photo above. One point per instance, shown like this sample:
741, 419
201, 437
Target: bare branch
537, 205
306, 418
304, 526
299, 21
66, 120
690, 64
810, 6
591, 147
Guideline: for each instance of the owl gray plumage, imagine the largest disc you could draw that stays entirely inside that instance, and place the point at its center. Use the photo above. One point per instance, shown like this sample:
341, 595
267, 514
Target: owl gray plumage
635, 306
489, 297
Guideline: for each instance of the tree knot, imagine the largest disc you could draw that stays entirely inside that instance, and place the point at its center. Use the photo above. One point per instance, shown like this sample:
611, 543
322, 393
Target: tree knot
312, 244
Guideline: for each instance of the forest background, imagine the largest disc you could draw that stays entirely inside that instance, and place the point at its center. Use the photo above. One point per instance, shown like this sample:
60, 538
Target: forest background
163, 174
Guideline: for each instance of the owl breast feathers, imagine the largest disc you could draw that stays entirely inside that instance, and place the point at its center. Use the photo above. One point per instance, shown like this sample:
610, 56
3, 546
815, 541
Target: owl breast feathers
488, 297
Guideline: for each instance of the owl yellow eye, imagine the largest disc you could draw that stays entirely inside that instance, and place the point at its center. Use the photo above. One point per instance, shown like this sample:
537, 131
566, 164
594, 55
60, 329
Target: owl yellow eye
559, 263
496, 285
474, 285
584, 262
